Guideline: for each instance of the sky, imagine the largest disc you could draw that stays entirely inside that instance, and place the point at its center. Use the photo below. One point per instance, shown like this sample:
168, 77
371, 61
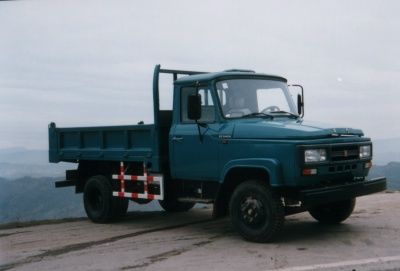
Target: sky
90, 63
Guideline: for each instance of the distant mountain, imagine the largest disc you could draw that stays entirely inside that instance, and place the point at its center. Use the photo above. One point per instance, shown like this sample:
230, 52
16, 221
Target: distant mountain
386, 151
392, 173
16, 171
27, 189
28, 199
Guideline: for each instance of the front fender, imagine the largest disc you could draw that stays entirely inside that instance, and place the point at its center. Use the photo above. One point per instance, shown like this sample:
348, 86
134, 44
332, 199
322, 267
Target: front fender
272, 166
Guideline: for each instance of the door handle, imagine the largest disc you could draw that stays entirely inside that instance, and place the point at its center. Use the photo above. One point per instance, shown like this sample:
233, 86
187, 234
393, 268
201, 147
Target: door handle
177, 138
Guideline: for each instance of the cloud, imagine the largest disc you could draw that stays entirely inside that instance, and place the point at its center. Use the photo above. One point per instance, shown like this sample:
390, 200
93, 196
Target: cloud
90, 63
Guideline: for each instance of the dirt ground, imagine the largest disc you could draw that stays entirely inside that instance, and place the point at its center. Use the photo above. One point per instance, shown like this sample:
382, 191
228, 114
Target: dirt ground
368, 240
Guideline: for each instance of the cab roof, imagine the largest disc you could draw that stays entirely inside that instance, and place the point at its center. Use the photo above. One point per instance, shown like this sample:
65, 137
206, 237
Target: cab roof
229, 74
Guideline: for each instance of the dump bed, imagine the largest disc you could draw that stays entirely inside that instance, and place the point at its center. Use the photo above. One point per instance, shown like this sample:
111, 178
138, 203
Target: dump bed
109, 143
134, 143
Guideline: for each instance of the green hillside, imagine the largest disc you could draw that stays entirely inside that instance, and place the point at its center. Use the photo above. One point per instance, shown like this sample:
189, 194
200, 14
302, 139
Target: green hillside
392, 173
27, 199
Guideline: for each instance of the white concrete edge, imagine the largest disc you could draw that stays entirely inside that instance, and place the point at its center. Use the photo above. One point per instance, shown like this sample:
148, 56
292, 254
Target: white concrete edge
340, 264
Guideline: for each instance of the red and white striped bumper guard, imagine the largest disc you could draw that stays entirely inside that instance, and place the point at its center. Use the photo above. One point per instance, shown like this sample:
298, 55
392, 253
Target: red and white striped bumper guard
133, 178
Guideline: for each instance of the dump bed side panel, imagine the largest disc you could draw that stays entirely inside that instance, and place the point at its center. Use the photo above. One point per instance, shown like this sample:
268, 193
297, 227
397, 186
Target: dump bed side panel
112, 143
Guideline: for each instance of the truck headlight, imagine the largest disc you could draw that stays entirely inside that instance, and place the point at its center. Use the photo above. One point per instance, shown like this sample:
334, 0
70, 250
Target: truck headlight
316, 155
365, 151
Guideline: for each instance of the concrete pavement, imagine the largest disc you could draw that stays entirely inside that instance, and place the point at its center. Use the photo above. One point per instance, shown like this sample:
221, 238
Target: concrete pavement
368, 240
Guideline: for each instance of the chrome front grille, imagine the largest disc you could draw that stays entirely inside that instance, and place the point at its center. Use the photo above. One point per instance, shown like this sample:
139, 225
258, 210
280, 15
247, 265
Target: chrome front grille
344, 153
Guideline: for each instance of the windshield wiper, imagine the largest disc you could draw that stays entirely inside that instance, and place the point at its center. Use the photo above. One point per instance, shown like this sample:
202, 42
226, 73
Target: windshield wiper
257, 114
285, 112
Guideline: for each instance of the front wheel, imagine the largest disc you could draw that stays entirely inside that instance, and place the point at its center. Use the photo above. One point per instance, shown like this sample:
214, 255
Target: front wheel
333, 213
257, 213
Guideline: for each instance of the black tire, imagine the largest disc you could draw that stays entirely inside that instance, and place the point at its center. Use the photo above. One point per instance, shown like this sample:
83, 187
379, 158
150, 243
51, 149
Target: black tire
100, 205
256, 212
173, 205
333, 213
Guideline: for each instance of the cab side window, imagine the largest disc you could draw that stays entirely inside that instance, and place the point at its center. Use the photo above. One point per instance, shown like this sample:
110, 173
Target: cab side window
207, 105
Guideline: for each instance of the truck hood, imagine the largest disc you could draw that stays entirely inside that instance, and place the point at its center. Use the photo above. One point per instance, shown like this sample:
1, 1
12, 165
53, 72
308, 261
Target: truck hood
289, 129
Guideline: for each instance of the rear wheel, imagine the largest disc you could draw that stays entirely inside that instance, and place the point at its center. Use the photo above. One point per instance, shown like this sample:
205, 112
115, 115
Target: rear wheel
256, 212
333, 213
100, 205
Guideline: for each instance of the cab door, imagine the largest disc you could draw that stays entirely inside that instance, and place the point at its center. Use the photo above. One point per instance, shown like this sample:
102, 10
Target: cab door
194, 148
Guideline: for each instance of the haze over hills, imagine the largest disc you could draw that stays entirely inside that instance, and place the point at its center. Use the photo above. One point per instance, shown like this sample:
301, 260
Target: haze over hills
20, 162
21, 155
27, 189
386, 151
392, 173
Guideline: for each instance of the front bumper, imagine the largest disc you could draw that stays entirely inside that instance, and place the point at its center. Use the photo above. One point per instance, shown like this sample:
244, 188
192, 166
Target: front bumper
342, 192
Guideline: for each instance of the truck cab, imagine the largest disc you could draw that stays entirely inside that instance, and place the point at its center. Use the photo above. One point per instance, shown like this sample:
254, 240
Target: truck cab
236, 139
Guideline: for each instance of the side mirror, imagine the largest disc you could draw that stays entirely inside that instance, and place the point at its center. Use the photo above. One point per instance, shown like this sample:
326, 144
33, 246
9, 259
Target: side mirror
300, 104
194, 107
300, 100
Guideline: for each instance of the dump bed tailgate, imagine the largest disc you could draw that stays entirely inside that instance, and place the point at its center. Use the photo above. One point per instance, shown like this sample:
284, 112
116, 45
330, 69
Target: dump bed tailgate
109, 143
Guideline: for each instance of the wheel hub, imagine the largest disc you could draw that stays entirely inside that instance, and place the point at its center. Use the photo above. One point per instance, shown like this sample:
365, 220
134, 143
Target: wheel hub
252, 211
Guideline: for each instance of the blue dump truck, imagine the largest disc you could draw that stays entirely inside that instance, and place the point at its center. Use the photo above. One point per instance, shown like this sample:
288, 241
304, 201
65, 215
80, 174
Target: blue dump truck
236, 139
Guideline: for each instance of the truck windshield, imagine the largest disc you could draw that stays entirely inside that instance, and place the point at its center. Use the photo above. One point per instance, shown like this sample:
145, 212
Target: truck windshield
255, 97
